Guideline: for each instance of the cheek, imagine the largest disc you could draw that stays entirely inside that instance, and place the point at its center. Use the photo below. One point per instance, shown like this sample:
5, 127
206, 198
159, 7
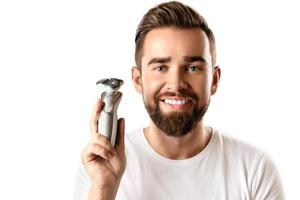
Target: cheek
151, 85
201, 87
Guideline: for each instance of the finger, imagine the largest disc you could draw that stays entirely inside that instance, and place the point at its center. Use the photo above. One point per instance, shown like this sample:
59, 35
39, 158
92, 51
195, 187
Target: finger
93, 151
104, 142
95, 116
120, 134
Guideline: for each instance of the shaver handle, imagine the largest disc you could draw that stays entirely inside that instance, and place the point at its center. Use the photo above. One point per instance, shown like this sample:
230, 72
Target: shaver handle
108, 121
107, 126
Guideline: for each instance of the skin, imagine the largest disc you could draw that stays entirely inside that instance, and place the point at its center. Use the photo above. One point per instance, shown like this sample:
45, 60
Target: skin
104, 164
173, 75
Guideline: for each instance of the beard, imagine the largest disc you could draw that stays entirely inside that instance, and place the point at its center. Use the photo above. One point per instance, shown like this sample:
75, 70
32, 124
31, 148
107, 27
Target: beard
177, 124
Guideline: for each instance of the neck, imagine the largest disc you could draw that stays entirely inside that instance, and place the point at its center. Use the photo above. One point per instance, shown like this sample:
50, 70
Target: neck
178, 148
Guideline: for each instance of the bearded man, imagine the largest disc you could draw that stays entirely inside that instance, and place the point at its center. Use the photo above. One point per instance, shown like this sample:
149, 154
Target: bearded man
176, 156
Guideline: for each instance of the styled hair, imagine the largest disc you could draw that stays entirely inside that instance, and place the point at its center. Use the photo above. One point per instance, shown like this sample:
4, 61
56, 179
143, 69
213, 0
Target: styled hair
167, 14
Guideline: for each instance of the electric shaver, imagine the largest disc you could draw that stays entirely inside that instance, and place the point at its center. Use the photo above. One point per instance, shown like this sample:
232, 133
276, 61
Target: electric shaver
108, 121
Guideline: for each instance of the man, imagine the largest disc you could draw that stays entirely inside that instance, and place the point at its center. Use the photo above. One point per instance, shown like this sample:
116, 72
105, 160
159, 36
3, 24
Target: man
176, 156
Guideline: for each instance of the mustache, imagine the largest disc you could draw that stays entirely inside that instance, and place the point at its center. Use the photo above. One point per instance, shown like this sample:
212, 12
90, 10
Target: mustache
180, 93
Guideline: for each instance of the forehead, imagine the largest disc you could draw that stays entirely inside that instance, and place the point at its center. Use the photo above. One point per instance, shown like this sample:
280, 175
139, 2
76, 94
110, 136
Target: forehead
175, 43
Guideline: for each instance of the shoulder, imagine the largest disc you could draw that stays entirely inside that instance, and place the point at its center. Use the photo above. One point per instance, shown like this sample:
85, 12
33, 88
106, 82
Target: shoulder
262, 175
254, 163
231, 144
242, 153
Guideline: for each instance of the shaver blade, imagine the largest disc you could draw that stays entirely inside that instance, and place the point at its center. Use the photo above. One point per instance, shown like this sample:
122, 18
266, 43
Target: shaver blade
111, 83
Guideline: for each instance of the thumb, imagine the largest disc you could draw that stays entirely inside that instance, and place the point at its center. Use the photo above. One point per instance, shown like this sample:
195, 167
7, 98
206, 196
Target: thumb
120, 134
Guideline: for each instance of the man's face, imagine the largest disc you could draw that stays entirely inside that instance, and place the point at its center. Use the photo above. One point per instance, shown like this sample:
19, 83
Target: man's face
176, 78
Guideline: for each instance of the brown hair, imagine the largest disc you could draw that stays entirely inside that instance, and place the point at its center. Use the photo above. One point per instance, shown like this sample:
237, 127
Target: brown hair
172, 13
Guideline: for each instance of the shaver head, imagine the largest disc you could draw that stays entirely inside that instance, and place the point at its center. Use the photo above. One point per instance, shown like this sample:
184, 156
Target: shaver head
110, 84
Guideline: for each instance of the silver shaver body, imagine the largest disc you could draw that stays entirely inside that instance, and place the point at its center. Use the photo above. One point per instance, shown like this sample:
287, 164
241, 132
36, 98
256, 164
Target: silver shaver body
108, 121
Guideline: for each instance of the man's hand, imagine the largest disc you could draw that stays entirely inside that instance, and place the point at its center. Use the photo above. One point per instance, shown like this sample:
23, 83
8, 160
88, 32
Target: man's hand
104, 164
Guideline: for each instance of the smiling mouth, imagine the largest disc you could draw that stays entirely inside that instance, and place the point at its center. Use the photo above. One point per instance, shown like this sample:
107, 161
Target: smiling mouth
176, 102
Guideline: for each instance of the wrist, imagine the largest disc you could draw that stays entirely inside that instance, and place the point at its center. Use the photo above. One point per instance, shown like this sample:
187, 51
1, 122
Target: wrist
102, 193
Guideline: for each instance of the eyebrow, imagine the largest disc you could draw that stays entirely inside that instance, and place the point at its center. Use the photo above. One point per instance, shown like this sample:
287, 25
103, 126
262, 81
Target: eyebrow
185, 58
159, 60
194, 59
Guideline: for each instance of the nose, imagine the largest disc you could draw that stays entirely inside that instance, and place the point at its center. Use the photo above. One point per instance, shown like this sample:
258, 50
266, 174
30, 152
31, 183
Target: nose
176, 81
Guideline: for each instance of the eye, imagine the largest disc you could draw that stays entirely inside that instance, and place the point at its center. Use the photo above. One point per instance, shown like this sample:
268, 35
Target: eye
160, 68
193, 69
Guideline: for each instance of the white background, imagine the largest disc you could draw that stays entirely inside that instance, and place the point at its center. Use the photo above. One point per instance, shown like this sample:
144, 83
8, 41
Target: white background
53, 52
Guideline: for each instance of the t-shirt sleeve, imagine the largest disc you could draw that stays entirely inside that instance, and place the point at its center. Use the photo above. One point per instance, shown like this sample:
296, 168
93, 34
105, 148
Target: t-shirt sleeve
81, 185
266, 184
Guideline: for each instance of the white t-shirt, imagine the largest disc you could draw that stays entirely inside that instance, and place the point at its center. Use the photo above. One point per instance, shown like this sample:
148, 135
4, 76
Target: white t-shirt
225, 169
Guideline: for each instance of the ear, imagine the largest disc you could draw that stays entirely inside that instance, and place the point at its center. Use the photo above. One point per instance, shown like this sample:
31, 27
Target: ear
136, 77
216, 80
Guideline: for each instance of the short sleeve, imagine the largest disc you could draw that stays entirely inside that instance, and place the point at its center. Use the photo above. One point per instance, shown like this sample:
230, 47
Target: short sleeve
266, 182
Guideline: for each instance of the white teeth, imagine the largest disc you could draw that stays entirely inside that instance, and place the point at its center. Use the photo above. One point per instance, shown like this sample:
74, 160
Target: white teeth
175, 102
